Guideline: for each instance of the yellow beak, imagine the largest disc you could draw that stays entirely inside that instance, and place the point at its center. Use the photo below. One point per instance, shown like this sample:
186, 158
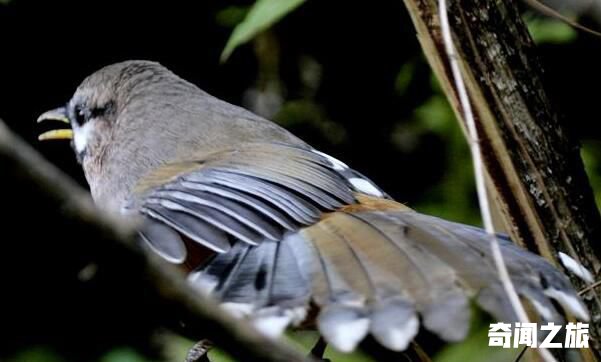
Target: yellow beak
56, 134
59, 114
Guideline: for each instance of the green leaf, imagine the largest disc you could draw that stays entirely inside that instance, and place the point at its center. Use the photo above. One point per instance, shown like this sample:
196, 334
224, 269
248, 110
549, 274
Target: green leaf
404, 78
551, 31
124, 354
262, 15
36, 354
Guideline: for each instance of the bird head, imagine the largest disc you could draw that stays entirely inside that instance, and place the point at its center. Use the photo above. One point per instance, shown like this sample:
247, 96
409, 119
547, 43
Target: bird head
117, 125
93, 110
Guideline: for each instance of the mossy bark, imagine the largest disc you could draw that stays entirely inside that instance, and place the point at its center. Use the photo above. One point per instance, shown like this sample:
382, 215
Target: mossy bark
534, 170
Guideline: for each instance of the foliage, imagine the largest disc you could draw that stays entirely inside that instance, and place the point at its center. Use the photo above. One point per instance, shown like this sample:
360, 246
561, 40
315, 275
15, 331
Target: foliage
36, 354
262, 15
453, 197
591, 156
550, 31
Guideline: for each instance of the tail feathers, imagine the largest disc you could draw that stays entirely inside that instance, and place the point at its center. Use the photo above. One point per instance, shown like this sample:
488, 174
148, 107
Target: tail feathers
542, 305
343, 326
492, 300
394, 323
439, 298
532, 275
380, 273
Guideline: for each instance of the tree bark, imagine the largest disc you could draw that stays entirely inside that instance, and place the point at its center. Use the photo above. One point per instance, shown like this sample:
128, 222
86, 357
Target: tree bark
535, 174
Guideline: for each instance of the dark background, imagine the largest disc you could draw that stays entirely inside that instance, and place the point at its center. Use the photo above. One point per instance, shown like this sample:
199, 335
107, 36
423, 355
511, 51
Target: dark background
347, 77
50, 46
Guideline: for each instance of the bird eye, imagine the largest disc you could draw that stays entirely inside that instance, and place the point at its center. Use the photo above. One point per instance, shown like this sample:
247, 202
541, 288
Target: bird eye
80, 116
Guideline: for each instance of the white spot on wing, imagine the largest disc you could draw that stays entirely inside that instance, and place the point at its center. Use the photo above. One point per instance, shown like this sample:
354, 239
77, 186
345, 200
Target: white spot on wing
337, 164
575, 267
569, 302
365, 186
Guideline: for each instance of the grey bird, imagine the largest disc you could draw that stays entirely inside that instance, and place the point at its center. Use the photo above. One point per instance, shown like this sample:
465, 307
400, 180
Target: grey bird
281, 233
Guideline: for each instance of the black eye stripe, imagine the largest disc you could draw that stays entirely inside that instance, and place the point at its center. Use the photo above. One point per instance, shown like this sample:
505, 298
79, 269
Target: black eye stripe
98, 111
83, 114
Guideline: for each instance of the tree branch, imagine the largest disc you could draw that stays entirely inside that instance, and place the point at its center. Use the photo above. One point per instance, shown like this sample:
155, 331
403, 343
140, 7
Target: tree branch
111, 240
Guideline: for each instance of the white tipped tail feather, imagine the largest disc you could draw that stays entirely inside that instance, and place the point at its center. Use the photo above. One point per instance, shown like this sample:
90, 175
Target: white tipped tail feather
575, 267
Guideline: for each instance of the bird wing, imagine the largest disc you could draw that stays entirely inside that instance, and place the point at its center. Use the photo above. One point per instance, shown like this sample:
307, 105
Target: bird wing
293, 229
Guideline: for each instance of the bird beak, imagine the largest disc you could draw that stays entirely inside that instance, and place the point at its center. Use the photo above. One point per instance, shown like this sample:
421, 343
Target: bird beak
59, 114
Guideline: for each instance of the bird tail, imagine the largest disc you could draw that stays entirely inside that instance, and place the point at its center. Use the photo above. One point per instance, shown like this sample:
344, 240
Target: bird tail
382, 271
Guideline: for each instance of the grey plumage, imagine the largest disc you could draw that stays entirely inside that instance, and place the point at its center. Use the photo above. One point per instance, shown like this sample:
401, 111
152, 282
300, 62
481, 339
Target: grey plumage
164, 241
292, 228
189, 226
246, 199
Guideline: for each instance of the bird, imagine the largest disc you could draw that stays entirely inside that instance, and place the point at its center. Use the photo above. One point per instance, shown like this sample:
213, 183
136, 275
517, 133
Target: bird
279, 233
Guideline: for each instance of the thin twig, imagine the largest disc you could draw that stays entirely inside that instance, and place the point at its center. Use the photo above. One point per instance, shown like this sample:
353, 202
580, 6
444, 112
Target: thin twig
548, 11
590, 287
521, 354
476, 153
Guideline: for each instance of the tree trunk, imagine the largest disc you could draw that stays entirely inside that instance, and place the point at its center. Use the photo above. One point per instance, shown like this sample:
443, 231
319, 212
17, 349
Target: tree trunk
535, 174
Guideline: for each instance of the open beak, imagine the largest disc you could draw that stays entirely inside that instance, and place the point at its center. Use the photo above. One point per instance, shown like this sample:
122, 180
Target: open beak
59, 114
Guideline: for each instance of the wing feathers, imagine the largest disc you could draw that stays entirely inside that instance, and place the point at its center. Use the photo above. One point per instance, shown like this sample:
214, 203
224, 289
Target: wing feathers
289, 283
434, 285
202, 201
343, 326
189, 226
394, 323
298, 208
292, 235
343, 271
164, 241
220, 220
246, 199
